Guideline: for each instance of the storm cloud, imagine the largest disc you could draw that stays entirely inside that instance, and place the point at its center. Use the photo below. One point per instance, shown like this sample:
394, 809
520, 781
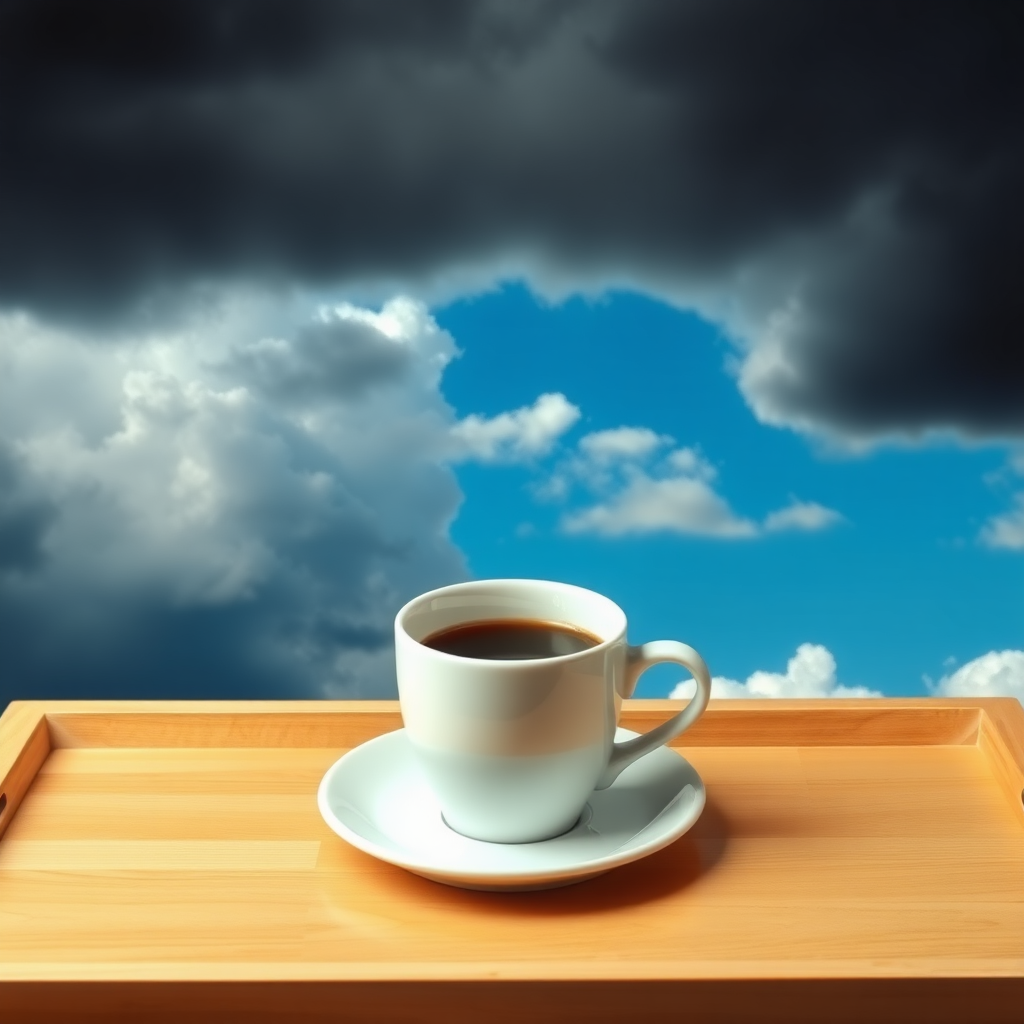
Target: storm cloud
172, 526
837, 185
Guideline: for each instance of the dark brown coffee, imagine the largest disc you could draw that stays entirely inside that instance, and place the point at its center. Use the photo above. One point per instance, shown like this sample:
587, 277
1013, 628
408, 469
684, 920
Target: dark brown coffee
511, 639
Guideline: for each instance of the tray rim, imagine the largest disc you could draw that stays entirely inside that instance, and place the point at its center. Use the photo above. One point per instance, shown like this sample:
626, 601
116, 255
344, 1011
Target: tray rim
29, 730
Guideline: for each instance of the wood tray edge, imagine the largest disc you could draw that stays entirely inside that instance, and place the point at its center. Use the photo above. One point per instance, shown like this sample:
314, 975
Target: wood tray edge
24, 745
1001, 738
843, 1001
30, 729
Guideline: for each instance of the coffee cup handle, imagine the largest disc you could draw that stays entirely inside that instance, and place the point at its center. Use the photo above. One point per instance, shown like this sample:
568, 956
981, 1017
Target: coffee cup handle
638, 660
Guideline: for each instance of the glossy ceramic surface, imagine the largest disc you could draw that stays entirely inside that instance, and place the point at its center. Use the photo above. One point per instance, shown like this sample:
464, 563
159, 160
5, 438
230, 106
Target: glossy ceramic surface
377, 799
513, 749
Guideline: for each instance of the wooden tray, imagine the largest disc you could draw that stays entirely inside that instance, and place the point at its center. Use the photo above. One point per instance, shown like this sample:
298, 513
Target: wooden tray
857, 860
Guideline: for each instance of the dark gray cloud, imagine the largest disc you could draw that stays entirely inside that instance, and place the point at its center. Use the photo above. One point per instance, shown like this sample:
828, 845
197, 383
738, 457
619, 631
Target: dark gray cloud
840, 183
24, 517
328, 359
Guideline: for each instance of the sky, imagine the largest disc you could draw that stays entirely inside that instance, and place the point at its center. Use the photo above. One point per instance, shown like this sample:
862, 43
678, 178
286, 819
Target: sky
307, 308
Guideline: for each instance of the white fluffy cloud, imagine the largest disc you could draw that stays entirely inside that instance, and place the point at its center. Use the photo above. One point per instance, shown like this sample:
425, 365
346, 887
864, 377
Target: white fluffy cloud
811, 672
237, 507
675, 495
676, 504
690, 462
801, 515
996, 674
622, 442
1006, 530
522, 434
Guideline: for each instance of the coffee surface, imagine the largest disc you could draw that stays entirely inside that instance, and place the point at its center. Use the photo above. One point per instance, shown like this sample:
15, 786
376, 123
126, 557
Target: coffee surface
511, 639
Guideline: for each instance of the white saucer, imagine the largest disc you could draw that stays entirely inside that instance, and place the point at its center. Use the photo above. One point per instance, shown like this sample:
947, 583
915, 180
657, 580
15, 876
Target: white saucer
375, 798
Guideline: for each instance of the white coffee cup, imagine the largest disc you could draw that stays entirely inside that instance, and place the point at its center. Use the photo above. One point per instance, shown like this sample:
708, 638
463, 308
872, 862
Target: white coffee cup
513, 749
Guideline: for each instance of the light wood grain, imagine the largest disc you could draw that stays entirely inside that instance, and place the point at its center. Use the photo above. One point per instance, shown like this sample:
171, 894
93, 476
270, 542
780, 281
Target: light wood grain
888, 722
1001, 737
24, 745
232, 856
172, 857
219, 723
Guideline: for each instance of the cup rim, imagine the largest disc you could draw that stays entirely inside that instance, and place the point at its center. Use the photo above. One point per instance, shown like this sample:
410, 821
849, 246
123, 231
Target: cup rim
606, 643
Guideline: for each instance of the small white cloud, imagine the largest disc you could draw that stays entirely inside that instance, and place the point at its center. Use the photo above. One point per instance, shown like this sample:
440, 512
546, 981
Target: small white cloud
622, 443
675, 505
675, 496
1004, 475
1006, 530
811, 672
523, 433
555, 488
603, 460
996, 674
637, 494
689, 462
802, 515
